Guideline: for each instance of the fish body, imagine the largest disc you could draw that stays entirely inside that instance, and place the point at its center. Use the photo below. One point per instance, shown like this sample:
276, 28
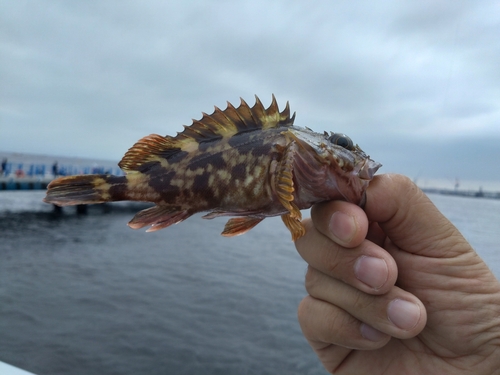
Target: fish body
246, 162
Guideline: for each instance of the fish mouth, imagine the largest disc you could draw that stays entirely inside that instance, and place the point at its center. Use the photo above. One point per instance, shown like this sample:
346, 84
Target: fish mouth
368, 169
365, 175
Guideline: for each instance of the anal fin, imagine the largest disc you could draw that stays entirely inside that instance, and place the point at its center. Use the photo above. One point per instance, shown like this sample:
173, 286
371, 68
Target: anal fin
158, 217
240, 225
294, 225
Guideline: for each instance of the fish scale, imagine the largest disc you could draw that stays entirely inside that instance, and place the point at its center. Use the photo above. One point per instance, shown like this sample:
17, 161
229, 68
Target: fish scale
246, 162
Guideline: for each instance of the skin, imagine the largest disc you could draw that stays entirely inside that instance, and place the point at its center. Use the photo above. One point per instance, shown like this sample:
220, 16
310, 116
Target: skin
396, 289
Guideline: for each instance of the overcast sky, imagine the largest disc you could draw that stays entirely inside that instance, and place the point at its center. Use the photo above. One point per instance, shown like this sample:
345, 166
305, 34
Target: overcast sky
415, 83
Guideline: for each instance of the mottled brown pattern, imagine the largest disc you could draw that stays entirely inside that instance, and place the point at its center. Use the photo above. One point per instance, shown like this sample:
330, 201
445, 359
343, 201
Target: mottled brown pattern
238, 172
249, 162
214, 158
161, 182
118, 187
204, 146
148, 166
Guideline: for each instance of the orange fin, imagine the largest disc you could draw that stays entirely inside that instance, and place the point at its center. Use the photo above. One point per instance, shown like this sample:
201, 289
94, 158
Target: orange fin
294, 225
234, 120
158, 217
284, 181
86, 189
240, 225
284, 190
151, 148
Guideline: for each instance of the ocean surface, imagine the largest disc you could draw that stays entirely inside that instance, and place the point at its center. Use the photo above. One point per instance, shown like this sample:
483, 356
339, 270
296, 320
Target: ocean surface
84, 294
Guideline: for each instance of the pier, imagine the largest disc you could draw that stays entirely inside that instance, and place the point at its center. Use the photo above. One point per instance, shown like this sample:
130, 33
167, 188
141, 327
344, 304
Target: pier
35, 172
36, 176
26, 183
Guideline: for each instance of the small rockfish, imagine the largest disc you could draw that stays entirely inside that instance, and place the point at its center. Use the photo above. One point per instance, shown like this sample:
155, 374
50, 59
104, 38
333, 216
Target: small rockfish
247, 162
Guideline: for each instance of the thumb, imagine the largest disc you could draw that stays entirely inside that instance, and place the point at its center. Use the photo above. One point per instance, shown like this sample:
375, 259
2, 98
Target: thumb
410, 220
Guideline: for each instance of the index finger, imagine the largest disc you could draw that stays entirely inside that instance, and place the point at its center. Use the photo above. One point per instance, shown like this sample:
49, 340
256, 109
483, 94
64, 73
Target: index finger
344, 223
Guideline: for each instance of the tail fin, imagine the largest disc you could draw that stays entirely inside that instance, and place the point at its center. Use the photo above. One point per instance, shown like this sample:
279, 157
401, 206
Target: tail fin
86, 189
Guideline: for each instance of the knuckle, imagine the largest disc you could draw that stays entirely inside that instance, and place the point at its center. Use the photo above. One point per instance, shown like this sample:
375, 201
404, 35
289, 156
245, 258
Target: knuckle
360, 301
401, 180
333, 264
311, 279
405, 184
304, 309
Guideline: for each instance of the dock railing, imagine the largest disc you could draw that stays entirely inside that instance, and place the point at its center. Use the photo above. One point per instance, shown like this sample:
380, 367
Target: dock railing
24, 176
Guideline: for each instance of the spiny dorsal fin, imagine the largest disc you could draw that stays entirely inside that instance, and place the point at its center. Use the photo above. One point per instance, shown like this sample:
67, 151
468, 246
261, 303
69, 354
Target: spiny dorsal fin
221, 123
234, 120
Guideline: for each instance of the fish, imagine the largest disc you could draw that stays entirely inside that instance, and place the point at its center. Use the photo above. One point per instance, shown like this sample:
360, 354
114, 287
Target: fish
245, 162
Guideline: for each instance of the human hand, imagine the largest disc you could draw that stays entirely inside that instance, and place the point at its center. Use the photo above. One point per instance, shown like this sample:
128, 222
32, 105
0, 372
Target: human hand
396, 289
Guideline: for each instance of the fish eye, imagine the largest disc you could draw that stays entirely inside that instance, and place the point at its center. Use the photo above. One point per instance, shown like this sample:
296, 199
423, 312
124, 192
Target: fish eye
341, 140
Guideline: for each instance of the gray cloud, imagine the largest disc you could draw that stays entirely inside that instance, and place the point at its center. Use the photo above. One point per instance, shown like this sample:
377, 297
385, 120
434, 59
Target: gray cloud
90, 78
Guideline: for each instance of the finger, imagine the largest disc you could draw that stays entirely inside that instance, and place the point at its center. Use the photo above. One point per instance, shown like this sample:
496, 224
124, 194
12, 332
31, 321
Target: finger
410, 219
396, 313
366, 267
331, 356
376, 234
343, 222
323, 323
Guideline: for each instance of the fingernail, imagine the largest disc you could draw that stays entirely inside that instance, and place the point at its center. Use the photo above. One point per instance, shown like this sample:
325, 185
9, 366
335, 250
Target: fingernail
342, 226
371, 271
403, 314
372, 334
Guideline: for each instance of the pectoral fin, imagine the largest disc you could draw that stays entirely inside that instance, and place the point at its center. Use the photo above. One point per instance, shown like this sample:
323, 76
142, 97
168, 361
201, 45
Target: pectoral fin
284, 181
284, 190
240, 225
294, 225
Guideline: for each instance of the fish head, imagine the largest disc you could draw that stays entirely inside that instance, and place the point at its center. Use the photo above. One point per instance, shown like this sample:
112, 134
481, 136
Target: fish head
342, 170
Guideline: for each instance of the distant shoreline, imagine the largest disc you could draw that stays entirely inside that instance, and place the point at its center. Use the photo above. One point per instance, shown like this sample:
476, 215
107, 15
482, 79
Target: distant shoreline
463, 193
18, 157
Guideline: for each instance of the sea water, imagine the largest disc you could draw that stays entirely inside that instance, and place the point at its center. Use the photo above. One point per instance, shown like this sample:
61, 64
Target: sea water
85, 294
